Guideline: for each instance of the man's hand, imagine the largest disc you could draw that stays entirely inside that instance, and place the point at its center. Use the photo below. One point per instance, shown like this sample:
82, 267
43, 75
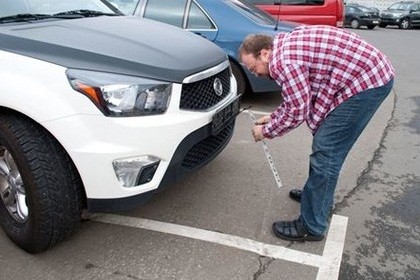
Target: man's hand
257, 133
263, 120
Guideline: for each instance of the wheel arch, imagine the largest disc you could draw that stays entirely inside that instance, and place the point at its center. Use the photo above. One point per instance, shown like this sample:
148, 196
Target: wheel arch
406, 17
11, 112
234, 61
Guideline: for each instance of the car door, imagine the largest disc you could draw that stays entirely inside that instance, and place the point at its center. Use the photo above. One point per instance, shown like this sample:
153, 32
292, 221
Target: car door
349, 15
200, 22
170, 12
415, 14
186, 14
328, 12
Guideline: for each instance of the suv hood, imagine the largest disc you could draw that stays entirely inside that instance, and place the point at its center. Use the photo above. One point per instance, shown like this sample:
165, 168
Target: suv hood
123, 45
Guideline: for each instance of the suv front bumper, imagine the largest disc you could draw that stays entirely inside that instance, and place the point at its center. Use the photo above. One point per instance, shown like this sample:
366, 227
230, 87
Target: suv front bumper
390, 20
194, 151
182, 140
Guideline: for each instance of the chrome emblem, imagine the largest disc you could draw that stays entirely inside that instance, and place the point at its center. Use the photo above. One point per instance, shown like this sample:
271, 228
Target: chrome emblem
218, 87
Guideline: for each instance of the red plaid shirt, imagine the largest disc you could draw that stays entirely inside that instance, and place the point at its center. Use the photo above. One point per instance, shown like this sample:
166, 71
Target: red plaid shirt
319, 67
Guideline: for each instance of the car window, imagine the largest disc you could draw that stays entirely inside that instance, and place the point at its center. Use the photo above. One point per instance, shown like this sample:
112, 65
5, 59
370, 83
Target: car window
171, 12
52, 6
364, 9
252, 12
350, 10
126, 6
197, 19
303, 2
9, 8
416, 7
400, 6
13, 7
287, 2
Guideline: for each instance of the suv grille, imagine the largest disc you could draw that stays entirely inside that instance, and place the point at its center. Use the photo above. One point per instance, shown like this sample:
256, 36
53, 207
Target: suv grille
203, 150
201, 95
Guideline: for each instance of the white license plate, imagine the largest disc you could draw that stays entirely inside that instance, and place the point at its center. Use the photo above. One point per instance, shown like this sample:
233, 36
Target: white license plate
375, 22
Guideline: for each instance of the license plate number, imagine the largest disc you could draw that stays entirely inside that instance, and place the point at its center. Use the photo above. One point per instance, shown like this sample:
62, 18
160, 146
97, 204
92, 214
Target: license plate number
224, 115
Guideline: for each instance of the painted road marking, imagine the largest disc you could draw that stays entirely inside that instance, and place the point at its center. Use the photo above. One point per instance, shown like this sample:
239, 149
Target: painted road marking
328, 263
333, 249
268, 156
258, 112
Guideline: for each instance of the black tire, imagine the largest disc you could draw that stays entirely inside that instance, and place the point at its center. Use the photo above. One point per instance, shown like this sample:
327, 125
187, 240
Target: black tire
371, 27
52, 188
241, 81
405, 23
354, 23
383, 25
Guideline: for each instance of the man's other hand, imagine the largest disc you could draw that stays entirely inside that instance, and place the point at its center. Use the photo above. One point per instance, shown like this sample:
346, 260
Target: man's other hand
257, 133
263, 120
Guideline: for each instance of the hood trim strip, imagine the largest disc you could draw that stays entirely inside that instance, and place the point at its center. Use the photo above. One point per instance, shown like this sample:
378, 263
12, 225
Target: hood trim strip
207, 73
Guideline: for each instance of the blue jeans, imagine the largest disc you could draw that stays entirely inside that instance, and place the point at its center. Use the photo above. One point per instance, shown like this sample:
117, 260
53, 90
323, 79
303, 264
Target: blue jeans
331, 144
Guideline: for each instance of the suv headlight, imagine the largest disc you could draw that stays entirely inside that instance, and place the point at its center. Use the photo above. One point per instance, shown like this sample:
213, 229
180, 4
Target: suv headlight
122, 96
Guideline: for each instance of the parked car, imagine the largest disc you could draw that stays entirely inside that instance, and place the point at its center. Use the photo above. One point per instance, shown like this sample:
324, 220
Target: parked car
224, 22
327, 12
374, 9
404, 14
98, 111
359, 15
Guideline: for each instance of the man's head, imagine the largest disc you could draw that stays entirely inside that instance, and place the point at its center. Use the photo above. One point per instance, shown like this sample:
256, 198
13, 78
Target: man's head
254, 53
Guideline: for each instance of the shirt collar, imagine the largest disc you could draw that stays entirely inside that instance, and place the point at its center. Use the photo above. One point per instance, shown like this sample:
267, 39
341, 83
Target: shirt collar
275, 53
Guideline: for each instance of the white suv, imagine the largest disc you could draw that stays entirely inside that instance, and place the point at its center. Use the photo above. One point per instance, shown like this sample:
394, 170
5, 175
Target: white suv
98, 111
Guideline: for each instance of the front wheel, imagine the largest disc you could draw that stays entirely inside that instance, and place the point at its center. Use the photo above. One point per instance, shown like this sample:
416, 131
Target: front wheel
355, 24
405, 23
383, 25
41, 193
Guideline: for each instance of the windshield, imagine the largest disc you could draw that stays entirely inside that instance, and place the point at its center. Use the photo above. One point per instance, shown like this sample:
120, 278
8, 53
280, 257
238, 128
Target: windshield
252, 12
400, 6
48, 7
365, 9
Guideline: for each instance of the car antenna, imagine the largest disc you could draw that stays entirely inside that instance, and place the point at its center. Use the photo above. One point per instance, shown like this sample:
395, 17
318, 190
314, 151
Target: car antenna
278, 15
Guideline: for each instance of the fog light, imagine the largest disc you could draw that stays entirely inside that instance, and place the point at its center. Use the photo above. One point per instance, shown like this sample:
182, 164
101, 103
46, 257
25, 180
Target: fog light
135, 171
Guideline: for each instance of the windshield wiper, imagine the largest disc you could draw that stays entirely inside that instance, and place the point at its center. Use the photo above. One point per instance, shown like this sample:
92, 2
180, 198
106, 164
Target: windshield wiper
27, 17
65, 15
85, 13
23, 17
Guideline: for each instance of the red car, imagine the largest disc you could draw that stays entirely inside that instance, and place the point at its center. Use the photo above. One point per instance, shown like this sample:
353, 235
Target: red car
328, 12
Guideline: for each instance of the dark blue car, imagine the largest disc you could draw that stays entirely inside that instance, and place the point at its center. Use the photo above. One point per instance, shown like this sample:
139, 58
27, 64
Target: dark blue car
225, 22
359, 15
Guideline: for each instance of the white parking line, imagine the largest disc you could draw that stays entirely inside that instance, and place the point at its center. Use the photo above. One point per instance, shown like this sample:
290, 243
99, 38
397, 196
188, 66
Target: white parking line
333, 249
328, 263
258, 112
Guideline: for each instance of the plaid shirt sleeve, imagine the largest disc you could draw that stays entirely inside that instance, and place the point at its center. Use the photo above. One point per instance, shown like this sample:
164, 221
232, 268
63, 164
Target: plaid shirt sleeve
295, 107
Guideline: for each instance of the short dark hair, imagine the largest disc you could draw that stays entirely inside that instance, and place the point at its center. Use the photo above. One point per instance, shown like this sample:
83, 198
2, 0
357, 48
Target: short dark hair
254, 43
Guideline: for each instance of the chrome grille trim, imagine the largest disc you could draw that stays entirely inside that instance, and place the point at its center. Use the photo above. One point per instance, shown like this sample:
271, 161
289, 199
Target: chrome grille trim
207, 73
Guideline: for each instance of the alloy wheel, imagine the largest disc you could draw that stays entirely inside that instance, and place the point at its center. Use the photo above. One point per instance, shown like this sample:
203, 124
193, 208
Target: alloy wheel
355, 24
12, 190
405, 23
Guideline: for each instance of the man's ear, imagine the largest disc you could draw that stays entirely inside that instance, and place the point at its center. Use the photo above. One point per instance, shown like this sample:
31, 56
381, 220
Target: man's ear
265, 54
